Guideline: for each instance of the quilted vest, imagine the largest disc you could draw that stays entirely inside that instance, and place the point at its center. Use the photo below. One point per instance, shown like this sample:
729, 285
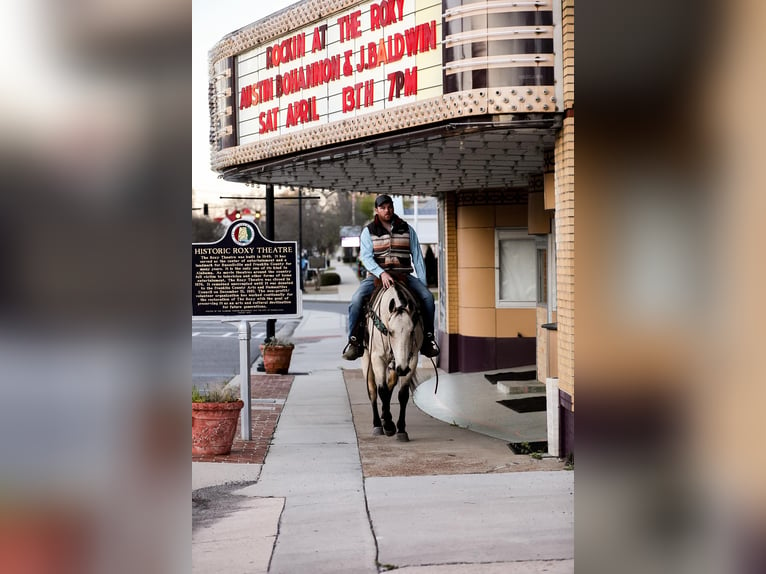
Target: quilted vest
391, 250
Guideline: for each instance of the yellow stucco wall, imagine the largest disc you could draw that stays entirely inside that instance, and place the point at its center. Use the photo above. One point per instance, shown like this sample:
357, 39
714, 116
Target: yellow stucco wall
477, 315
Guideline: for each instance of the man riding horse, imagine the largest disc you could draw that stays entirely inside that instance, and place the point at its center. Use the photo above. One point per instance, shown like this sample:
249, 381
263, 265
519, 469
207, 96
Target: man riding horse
390, 248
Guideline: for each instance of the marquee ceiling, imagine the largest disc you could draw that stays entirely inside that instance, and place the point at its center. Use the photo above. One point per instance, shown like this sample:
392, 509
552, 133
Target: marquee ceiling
434, 160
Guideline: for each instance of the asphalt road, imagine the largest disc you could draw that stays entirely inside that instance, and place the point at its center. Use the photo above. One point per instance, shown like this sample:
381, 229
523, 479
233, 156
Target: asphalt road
215, 350
215, 345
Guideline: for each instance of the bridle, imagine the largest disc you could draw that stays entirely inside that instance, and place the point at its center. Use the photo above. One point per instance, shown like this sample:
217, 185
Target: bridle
381, 326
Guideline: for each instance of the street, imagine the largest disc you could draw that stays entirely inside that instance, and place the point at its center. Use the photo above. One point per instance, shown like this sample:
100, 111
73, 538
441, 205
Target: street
215, 350
215, 345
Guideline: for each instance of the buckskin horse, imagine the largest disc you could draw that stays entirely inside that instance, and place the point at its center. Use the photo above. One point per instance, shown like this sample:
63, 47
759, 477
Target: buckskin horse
394, 336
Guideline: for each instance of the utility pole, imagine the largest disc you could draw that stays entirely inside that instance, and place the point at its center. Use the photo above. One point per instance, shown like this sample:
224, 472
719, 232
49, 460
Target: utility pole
270, 216
300, 233
271, 324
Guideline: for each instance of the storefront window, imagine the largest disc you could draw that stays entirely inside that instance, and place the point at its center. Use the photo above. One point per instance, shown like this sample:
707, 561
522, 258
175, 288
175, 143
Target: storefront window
516, 268
542, 275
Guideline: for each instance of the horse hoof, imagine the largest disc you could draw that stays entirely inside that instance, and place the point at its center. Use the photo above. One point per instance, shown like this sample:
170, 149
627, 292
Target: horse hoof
390, 432
403, 436
377, 431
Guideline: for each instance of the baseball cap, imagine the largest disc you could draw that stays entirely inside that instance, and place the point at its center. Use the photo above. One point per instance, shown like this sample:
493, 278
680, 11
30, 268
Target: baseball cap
381, 199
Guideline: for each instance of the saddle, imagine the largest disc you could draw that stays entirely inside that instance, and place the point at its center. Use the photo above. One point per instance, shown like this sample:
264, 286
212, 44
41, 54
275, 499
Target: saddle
397, 277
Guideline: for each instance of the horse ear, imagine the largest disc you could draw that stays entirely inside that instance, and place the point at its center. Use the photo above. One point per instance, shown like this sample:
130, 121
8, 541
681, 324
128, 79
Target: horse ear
391, 306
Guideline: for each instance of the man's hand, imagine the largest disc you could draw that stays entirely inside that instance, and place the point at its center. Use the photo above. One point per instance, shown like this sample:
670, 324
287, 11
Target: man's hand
387, 280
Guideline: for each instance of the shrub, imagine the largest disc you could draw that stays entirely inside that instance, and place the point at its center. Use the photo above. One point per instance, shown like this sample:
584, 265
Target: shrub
275, 342
330, 278
215, 395
206, 230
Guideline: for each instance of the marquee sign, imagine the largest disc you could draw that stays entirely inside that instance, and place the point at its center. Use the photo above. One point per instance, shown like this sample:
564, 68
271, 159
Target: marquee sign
373, 56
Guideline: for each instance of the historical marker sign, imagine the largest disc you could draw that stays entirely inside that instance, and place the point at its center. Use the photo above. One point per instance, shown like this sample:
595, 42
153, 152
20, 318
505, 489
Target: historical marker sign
245, 276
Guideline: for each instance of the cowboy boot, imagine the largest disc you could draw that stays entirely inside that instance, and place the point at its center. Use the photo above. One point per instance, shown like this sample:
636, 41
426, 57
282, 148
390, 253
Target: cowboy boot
353, 349
429, 348
355, 346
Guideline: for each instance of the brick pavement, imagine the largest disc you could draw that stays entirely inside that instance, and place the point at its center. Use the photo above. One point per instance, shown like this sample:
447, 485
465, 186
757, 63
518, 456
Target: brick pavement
268, 394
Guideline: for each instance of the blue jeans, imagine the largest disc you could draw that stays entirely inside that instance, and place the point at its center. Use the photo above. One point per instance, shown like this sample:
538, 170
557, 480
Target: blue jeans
367, 286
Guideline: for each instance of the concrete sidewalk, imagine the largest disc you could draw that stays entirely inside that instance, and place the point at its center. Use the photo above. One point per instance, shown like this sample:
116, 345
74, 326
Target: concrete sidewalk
349, 281
310, 509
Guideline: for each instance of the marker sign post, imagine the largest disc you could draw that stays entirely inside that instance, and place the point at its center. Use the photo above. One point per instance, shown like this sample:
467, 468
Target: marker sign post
245, 277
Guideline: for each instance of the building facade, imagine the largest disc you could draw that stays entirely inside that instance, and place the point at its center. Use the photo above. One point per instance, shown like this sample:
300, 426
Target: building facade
468, 103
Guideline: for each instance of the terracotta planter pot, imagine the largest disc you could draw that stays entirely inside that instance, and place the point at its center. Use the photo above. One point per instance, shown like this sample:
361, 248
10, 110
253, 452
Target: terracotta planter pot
214, 426
276, 359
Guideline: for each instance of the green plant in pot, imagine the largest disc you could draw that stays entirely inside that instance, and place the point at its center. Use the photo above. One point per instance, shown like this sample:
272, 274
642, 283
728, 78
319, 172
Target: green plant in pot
276, 355
214, 420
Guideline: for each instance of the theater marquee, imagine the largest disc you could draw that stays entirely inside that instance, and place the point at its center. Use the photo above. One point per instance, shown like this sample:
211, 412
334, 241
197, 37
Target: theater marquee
326, 73
371, 57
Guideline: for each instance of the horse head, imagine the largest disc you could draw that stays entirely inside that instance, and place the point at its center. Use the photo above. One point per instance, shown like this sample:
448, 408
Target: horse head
402, 324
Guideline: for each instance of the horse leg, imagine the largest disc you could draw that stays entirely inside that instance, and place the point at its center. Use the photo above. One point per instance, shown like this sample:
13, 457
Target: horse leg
385, 399
372, 393
374, 369
404, 396
377, 427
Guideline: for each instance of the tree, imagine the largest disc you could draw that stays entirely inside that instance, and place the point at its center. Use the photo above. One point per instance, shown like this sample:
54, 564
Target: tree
206, 230
321, 221
322, 217
365, 208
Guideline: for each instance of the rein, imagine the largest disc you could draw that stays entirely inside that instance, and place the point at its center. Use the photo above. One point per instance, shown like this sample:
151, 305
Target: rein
380, 326
436, 385
378, 322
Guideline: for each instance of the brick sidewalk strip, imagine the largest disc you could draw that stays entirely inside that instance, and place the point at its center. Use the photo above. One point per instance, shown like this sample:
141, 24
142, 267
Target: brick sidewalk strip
268, 394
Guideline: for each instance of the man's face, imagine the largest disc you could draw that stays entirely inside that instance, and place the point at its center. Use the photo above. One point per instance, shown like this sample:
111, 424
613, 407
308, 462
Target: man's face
385, 212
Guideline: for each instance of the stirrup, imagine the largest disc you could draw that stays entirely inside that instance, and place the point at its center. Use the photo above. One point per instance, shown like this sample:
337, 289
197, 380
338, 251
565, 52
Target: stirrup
352, 350
430, 348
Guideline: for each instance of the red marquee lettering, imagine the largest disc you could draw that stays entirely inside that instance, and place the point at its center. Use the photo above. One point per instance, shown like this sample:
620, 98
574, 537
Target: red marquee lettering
268, 120
395, 47
369, 98
319, 38
358, 95
372, 56
246, 97
411, 81
347, 95
302, 112
407, 81
350, 26
287, 50
382, 56
386, 13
